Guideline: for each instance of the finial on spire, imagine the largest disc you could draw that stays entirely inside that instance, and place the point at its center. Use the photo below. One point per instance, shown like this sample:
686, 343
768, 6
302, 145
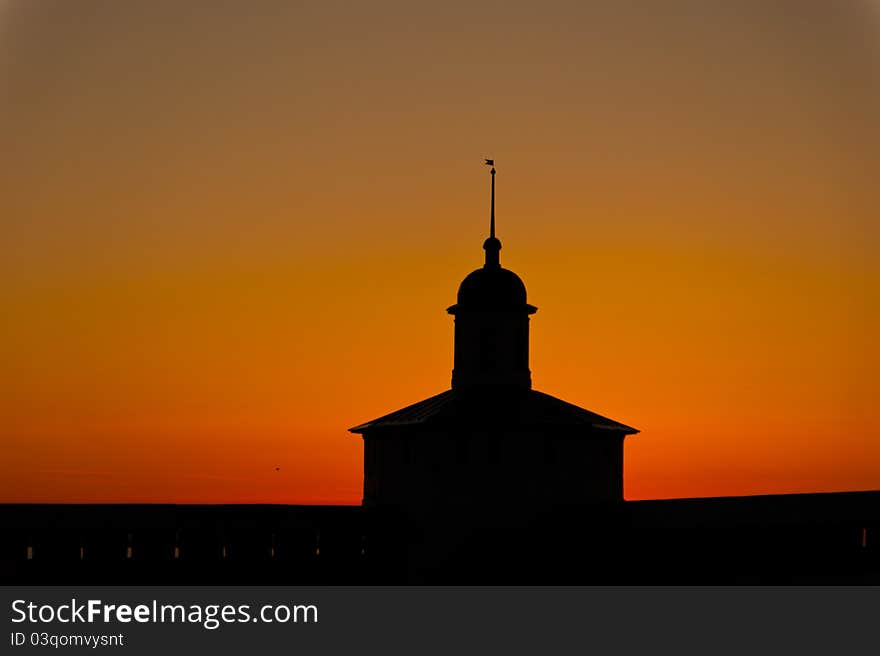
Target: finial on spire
491, 162
492, 246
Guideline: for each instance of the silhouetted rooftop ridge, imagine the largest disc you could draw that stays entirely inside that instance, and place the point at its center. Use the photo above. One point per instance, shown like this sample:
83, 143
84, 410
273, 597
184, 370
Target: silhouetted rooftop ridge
521, 407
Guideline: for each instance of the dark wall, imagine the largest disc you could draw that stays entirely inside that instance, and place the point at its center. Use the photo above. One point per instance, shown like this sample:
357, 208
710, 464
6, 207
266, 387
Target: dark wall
412, 468
188, 544
813, 538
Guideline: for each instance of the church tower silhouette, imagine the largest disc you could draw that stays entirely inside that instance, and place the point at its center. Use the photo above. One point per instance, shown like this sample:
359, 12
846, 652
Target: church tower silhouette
491, 439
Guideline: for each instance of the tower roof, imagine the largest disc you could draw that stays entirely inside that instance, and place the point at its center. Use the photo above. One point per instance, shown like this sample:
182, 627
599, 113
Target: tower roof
519, 407
492, 288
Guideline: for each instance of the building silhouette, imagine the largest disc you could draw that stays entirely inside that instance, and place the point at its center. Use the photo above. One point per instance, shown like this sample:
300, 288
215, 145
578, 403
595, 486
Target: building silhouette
491, 438
487, 482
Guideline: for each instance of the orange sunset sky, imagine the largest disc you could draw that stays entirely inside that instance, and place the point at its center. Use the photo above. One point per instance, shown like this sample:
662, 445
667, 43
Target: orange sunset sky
230, 231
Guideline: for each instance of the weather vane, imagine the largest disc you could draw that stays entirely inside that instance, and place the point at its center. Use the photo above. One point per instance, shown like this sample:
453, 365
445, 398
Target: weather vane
491, 162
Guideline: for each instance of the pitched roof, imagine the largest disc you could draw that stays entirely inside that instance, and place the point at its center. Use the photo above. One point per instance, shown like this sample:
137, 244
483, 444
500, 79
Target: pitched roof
523, 407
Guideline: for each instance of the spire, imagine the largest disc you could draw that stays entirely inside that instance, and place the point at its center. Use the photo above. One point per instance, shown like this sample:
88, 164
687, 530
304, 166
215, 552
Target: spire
492, 246
491, 162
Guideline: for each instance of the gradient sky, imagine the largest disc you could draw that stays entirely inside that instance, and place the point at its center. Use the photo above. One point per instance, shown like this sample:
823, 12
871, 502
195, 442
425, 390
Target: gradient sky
231, 229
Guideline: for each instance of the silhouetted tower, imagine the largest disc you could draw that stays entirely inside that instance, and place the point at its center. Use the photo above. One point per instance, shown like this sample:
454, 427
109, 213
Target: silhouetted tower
492, 439
492, 322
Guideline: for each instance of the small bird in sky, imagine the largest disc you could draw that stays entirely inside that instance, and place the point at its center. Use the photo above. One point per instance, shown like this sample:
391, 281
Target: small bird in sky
490, 162
278, 469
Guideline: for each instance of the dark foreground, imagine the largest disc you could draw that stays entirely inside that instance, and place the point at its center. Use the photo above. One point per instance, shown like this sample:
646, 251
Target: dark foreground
779, 539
